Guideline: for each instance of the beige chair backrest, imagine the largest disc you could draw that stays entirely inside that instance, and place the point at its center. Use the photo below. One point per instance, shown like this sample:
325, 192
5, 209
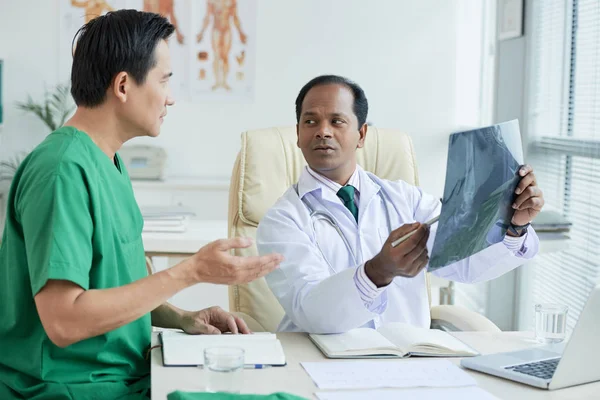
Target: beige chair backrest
268, 163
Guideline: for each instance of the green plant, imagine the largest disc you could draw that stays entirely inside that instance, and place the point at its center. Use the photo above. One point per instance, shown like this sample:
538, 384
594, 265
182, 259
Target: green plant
53, 111
55, 108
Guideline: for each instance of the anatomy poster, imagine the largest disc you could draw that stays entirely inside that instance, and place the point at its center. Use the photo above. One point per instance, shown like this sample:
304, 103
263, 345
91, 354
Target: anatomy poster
73, 15
224, 49
212, 49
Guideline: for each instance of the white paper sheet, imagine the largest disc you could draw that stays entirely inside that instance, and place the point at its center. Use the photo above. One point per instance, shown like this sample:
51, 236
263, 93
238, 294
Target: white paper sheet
463, 393
387, 374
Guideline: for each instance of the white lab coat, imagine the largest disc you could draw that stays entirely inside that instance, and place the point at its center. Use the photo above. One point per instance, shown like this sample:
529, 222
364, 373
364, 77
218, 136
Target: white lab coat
317, 299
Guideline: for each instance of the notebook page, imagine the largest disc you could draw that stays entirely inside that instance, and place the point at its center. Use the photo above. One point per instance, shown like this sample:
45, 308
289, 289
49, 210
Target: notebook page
182, 349
355, 339
406, 336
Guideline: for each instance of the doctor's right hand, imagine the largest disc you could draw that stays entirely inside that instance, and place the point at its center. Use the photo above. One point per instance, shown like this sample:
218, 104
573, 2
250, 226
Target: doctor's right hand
407, 259
214, 263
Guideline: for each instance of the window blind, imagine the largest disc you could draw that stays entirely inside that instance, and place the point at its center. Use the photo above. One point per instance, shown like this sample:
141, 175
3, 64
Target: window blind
563, 115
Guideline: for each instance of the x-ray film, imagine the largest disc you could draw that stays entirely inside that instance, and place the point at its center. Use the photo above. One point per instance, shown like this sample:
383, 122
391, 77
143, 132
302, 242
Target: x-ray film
481, 178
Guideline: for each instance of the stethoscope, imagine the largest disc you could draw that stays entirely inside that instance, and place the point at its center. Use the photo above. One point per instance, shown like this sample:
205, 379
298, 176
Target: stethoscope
324, 215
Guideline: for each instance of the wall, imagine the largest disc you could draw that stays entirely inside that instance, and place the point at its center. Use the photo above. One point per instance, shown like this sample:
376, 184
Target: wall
511, 103
419, 63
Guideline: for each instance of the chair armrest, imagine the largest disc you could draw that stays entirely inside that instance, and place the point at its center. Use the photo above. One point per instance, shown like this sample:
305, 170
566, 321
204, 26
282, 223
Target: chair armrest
253, 324
456, 318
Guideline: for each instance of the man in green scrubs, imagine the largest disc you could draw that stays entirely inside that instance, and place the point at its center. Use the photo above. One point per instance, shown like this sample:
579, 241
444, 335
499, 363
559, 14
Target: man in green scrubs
76, 302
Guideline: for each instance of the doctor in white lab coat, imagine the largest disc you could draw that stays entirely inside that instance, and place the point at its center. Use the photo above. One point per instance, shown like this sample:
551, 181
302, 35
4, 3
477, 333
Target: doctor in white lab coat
322, 285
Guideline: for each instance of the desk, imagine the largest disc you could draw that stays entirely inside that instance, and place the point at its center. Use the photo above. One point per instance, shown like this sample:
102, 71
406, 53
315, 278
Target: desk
293, 379
184, 244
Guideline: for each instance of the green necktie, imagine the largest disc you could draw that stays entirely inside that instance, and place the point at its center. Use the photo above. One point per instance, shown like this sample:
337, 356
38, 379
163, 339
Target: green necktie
346, 193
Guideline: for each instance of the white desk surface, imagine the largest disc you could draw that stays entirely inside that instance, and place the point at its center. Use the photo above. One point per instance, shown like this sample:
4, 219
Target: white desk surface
298, 348
198, 234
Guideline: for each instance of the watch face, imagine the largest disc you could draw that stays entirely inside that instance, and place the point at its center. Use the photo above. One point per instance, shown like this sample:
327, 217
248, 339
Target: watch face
517, 230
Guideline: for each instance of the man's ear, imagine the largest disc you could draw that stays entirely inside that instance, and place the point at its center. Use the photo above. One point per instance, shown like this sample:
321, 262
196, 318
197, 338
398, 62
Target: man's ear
297, 136
363, 134
121, 86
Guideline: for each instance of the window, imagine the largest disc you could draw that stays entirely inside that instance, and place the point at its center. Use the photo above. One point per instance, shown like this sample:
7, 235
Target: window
563, 127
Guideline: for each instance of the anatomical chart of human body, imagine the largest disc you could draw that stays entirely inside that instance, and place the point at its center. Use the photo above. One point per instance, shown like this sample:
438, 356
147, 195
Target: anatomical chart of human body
212, 49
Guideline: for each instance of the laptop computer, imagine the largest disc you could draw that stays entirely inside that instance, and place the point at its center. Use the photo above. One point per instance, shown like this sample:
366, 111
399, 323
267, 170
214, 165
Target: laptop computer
552, 366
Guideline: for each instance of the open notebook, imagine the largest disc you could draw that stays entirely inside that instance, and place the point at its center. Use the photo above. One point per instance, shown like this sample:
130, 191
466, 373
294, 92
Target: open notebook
391, 340
180, 349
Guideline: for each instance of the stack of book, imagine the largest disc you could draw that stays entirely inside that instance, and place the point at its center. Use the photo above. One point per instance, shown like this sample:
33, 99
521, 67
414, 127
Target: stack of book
551, 224
166, 219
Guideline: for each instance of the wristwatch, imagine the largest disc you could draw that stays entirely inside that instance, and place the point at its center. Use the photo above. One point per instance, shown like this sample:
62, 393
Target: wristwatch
518, 230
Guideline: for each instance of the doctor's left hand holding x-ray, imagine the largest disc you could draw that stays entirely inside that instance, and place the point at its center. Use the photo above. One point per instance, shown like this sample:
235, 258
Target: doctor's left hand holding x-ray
336, 225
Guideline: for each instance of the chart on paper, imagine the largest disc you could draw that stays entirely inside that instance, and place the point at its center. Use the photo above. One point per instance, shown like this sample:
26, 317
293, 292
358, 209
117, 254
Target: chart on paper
462, 393
387, 374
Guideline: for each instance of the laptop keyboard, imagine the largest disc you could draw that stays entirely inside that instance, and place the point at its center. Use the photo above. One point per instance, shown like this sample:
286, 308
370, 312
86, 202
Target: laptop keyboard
540, 369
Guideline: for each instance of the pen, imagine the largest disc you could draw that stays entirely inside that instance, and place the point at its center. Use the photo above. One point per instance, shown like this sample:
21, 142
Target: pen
409, 234
256, 366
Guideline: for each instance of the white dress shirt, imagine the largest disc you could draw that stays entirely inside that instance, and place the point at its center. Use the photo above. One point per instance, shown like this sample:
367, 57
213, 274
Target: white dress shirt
321, 298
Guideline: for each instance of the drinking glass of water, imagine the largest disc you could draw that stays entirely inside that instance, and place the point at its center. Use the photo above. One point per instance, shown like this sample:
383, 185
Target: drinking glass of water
550, 322
223, 367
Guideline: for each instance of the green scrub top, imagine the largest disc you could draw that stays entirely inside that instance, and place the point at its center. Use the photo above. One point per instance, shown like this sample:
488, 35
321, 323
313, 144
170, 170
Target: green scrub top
71, 215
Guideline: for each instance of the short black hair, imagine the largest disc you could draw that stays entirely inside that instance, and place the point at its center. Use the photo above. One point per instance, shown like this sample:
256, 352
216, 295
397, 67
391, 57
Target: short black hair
122, 40
361, 105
